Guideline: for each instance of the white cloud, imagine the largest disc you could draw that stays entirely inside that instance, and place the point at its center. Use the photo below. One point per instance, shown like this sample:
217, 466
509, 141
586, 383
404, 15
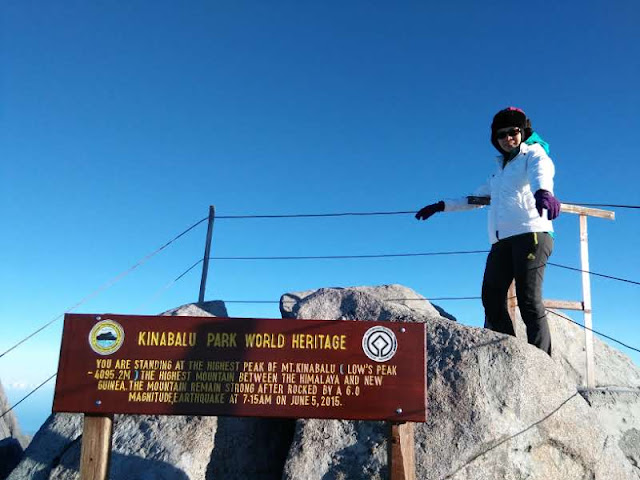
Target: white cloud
20, 385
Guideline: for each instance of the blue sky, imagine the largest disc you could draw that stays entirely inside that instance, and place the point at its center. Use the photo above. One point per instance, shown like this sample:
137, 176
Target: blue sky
122, 122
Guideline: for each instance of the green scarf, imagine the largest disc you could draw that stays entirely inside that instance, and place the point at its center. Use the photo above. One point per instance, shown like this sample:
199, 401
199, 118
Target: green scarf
535, 138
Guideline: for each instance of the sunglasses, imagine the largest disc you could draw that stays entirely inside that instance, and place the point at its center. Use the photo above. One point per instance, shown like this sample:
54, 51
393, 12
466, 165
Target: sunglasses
512, 132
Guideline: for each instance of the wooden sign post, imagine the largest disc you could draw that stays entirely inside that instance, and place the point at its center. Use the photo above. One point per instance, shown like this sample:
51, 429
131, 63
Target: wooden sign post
401, 452
96, 447
122, 364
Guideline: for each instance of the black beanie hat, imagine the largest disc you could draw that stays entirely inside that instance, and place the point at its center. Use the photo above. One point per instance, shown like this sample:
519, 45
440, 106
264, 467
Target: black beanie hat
510, 117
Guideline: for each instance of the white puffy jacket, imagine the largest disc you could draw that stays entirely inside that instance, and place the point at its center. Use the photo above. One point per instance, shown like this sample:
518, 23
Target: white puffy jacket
513, 207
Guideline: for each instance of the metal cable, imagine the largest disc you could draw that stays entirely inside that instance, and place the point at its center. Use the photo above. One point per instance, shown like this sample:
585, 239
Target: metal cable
344, 257
412, 299
594, 273
399, 255
28, 395
166, 287
397, 212
510, 437
105, 286
594, 331
314, 215
609, 205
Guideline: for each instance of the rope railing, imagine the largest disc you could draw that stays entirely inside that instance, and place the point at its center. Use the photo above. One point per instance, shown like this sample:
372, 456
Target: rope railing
123, 274
280, 258
143, 260
382, 213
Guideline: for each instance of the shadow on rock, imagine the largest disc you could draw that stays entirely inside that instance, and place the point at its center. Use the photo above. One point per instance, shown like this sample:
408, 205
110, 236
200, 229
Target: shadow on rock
40, 464
253, 448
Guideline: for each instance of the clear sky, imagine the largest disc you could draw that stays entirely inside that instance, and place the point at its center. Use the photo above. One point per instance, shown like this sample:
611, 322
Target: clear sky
121, 122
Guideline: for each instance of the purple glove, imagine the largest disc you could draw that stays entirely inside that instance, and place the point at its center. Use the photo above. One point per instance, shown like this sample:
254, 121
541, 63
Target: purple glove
545, 199
429, 210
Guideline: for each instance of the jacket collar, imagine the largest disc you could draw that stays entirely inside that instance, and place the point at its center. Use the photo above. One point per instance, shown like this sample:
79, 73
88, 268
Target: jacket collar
524, 148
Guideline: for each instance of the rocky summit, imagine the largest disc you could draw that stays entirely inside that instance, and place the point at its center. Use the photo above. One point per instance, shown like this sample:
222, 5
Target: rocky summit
498, 408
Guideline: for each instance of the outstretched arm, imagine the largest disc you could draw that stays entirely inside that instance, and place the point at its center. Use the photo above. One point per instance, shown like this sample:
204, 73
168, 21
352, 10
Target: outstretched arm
540, 170
480, 197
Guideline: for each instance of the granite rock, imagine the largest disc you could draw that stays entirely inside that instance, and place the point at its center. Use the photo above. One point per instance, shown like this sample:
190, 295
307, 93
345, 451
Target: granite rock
618, 410
498, 408
12, 441
612, 367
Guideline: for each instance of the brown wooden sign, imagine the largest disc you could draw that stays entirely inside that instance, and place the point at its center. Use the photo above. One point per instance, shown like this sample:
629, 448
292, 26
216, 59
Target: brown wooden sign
242, 367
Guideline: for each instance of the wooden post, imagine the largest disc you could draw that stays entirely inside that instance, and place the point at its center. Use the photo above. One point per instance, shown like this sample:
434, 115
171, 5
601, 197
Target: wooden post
96, 447
207, 251
586, 299
401, 451
591, 212
512, 302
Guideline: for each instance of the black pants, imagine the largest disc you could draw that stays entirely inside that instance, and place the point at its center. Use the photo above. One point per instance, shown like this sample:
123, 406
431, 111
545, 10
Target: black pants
523, 258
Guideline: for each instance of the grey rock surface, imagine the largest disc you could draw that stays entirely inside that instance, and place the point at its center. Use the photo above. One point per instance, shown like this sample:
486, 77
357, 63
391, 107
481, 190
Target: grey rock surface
338, 449
391, 300
498, 409
145, 447
612, 367
12, 441
10, 454
254, 448
58, 435
619, 412
9, 426
214, 308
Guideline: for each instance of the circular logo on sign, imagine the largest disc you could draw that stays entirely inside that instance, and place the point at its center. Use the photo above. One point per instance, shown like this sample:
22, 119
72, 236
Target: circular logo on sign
379, 344
106, 337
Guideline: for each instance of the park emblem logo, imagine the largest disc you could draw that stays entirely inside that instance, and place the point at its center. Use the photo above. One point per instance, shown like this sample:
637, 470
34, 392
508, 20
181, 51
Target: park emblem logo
379, 344
106, 337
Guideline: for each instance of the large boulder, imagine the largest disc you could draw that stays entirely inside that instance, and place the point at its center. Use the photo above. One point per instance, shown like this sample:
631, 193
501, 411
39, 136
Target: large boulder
612, 367
12, 441
498, 408
390, 301
144, 446
616, 398
213, 308
148, 447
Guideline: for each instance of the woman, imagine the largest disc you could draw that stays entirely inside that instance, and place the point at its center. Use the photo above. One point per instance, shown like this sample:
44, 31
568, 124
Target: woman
520, 230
